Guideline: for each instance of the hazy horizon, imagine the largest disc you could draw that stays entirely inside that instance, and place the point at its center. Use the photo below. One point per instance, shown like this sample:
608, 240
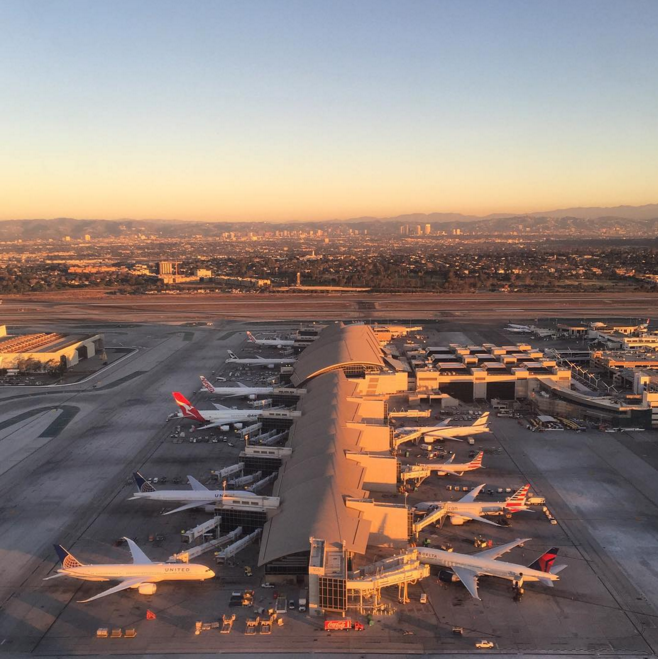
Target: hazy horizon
304, 111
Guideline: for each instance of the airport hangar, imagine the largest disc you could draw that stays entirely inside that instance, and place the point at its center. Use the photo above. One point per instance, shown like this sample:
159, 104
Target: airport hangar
338, 458
47, 348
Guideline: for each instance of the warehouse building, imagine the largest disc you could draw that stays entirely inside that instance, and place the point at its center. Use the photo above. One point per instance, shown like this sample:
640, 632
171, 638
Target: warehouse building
46, 349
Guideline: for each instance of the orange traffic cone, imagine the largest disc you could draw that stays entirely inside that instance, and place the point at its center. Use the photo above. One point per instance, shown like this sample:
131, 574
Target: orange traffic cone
150, 615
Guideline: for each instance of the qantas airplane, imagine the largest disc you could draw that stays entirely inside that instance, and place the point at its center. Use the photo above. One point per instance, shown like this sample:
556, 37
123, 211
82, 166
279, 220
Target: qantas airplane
241, 391
270, 362
211, 418
278, 343
198, 496
467, 508
142, 573
468, 567
444, 431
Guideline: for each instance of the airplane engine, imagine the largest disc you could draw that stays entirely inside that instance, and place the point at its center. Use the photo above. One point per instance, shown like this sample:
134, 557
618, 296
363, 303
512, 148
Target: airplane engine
147, 588
270, 366
225, 428
252, 396
456, 520
238, 426
447, 576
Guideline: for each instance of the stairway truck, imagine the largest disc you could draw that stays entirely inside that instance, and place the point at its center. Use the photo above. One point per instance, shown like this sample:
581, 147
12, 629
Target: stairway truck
342, 624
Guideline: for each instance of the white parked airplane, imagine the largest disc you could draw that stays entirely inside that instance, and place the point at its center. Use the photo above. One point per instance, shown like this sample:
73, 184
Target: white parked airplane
444, 431
211, 418
467, 508
459, 468
270, 362
518, 329
198, 496
241, 391
467, 568
277, 343
142, 573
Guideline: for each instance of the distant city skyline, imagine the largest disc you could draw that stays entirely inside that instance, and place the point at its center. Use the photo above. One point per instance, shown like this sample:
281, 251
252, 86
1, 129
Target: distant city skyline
299, 110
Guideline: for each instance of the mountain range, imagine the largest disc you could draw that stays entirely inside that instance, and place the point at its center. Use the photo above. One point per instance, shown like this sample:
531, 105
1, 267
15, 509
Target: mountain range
624, 221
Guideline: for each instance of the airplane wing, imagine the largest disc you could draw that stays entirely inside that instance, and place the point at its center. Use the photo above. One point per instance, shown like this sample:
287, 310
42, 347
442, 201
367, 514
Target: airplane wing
497, 552
189, 506
124, 585
139, 557
469, 578
476, 518
468, 498
450, 459
220, 407
444, 437
195, 484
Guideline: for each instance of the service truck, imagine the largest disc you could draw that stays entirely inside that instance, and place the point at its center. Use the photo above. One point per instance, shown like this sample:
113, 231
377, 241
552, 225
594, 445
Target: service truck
303, 600
343, 624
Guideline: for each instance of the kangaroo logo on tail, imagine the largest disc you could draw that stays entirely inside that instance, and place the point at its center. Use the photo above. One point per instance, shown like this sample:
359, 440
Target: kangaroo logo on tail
187, 409
67, 559
207, 385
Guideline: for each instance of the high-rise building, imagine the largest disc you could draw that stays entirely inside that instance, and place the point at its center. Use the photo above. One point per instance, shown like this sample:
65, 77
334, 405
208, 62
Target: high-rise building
428, 229
167, 267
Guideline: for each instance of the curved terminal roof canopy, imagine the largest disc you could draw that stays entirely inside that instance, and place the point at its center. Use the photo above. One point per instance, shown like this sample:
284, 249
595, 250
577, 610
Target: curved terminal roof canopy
338, 346
314, 482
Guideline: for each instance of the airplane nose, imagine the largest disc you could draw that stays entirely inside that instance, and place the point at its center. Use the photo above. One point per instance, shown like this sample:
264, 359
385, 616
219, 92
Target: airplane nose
211, 574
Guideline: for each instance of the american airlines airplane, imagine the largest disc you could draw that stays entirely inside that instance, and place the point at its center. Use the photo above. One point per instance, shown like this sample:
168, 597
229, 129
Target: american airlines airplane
468, 567
241, 391
444, 431
467, 508
142, 573
270, 362
277, 343
198, 496
211, 418
459, 468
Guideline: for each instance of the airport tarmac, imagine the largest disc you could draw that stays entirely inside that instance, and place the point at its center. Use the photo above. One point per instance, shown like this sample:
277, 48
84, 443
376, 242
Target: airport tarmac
69, 484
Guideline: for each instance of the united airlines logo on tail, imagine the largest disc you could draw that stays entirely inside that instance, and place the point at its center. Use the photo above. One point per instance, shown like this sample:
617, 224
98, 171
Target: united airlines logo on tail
70, 562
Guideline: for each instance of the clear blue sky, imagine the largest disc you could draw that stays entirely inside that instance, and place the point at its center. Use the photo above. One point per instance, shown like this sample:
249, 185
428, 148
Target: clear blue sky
307, 109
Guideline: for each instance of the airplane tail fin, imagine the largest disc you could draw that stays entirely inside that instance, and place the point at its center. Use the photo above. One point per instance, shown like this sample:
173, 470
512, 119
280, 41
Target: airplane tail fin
482, 421
187, 409
67, 559
545, 562
231, 354
251, 338
518, 499
142, 484
207, 384
476, 462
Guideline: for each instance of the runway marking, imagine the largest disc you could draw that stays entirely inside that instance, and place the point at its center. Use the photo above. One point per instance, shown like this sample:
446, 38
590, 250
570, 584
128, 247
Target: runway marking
69, 413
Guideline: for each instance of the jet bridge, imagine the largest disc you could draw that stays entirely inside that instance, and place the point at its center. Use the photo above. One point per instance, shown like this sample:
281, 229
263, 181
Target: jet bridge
238, 546
194, 552
201, 529
364, 586
410, 437
410, 414
229, 471
245, 480
264, 482
431, 517
257, 503
418, 472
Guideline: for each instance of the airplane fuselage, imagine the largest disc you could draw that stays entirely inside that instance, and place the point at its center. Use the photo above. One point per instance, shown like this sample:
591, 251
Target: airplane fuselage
483, 566
152, 572
455, 507
190, 496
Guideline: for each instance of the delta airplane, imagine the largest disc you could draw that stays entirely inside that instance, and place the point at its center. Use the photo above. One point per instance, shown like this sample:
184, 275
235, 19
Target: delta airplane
241, 391
198, 496
142, 573
444, 431
467, 568
270, 362
277, 343
459, 468
211, 418
467, 508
